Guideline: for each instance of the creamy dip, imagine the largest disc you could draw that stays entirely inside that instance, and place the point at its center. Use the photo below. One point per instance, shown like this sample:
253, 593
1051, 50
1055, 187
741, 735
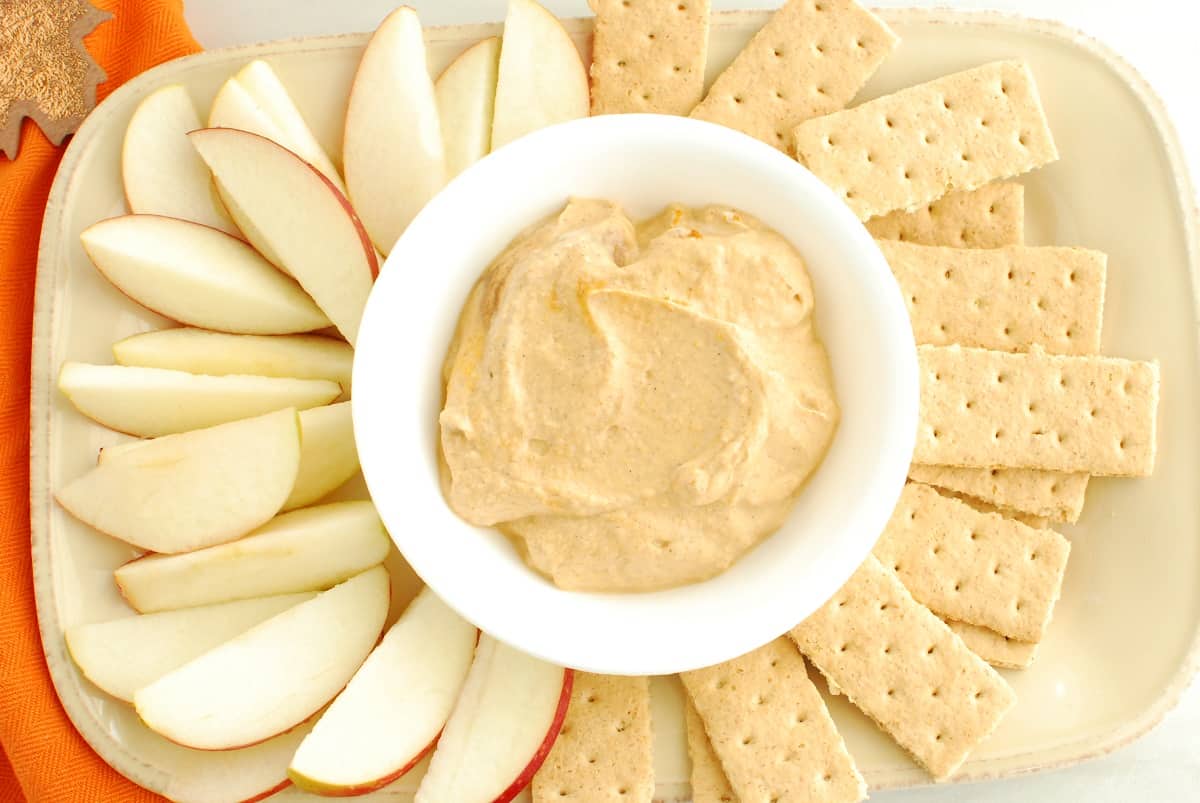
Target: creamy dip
636, 405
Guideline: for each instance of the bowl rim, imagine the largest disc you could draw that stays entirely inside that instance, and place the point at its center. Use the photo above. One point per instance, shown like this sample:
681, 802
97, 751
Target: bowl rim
608, 650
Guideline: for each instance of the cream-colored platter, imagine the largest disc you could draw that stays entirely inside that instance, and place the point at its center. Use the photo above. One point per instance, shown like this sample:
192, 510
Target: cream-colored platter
1123, 642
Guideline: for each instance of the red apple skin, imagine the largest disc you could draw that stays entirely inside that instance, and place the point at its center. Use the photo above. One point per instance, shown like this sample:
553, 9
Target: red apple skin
353, 791
279, 787
236, 746
368, 246
539, 757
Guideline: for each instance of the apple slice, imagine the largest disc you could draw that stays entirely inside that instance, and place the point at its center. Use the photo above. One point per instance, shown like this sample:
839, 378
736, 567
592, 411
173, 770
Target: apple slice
275, 675
301, 216
392, 148
392, 711
195, 489
305, 550
541, 80
199, 351
199, 276
328, 456
159, 167
466, 98
255, 100
149, 402
124, 655
504, 723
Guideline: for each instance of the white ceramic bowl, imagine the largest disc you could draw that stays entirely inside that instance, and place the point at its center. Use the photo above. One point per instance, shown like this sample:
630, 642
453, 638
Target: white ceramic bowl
644, 162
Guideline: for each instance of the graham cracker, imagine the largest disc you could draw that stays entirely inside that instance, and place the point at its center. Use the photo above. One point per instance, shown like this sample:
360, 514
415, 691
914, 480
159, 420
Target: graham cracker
770, 729
1036, 522
914, 146
810, 59
1065, 316
997, 650
648, 55
905, 669
1051, 495
992, 409
979, 568
989, 217
1008, 299
709, 784
605, 748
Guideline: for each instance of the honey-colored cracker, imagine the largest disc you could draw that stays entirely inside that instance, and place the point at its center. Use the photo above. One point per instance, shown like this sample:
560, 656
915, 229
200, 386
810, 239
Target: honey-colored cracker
905, 669
979, 568
989, 217
1051, 495
997, 650
992, 409
1065, 317
46, 71
604, 751
709, 784
770, 729
1036, 522
904, 150
648, 55
1008, 299
810, 59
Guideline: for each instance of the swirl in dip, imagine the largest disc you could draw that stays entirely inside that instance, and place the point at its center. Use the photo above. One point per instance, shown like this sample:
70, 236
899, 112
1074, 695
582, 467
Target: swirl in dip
636, 405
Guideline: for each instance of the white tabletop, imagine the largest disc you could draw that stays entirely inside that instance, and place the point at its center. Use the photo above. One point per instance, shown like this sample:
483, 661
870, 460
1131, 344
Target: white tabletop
1156, 36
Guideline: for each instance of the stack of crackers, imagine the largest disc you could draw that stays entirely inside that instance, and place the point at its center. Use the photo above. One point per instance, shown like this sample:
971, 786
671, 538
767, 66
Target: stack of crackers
1018, 409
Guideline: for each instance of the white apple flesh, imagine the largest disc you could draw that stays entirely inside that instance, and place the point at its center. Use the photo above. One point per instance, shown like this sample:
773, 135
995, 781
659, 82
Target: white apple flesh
273, 676
506, 719
466, 98
328, 455
393, 152
160, 170
199, 351
541, 80
188, 491
255, 100
199, 276
305, 550
392, 711
127, 654
303, 219
151, 402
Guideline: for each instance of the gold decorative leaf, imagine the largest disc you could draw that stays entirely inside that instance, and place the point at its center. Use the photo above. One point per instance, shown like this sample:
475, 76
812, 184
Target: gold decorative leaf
46, 73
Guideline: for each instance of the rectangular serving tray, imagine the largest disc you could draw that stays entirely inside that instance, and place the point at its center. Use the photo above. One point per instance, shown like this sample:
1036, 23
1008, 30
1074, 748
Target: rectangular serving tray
1123, 643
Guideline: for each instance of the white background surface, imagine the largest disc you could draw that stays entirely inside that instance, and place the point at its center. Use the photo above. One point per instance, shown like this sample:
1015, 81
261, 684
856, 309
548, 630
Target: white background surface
1156, 36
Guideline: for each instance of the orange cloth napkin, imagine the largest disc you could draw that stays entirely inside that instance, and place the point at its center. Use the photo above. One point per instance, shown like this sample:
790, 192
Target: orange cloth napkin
42, 758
